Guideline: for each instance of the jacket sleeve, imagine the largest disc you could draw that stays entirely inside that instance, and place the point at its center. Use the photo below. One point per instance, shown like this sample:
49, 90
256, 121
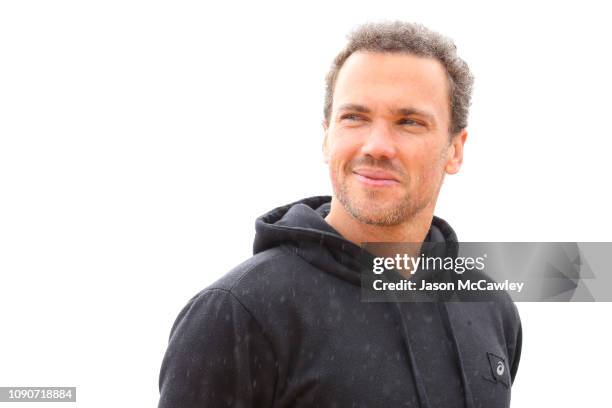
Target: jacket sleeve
217, 356
514, 349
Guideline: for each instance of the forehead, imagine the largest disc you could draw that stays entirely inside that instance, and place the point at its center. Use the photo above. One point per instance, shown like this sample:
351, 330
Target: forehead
393, 80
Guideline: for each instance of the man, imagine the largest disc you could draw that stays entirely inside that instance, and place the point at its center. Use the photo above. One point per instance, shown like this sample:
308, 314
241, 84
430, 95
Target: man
287, 328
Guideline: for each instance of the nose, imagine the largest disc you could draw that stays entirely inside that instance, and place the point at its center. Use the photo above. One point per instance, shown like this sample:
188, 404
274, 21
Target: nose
380, 142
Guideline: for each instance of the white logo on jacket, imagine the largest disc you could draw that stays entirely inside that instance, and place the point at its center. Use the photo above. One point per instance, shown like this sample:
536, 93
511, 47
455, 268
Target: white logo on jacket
500, 368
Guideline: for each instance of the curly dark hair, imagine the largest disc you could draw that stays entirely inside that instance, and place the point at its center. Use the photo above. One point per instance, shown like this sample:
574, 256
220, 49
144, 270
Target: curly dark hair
415, 39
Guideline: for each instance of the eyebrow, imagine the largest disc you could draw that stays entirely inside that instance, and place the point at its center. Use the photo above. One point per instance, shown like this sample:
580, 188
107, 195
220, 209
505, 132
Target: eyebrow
399, 112
354, 107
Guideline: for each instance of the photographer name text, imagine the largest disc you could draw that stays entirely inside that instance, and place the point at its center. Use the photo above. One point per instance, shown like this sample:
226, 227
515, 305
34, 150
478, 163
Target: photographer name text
479, 285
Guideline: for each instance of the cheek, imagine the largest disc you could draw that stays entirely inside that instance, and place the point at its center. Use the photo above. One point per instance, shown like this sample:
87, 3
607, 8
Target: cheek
335, 166
424, 163
340, 154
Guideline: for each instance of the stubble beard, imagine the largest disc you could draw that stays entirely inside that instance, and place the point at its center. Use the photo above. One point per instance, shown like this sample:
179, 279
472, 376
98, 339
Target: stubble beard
368, 210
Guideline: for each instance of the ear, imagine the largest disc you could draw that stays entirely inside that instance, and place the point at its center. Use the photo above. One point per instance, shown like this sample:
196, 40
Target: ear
455, 152
324, 147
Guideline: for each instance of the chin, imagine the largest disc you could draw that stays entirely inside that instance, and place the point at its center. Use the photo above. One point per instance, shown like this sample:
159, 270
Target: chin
376, 210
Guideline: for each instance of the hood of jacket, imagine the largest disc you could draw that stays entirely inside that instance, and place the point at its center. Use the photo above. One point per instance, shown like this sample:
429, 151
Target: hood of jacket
302, 224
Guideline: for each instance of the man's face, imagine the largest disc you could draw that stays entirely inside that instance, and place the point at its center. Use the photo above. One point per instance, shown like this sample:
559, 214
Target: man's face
387, 141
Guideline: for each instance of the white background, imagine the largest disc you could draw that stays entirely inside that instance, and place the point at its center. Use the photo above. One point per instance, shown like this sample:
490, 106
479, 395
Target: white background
140, 140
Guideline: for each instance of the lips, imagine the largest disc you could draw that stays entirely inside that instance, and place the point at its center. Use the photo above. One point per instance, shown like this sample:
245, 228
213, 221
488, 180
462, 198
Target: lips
375, 177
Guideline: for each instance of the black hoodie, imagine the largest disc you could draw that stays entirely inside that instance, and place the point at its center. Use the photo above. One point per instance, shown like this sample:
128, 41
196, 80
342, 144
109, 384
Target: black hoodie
287, 328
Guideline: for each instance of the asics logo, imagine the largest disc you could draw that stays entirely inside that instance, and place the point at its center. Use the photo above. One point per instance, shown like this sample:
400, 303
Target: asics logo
500, 368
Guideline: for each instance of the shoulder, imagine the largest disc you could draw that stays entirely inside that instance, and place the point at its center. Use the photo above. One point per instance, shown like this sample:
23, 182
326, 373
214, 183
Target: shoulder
265, 273
257, 281
226, 304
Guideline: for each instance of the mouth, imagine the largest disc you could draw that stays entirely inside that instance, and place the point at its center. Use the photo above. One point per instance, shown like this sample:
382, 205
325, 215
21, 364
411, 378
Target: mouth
376, 178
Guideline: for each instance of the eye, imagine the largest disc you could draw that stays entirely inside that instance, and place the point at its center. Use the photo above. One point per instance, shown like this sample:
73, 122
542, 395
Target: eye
351, 117
409, 122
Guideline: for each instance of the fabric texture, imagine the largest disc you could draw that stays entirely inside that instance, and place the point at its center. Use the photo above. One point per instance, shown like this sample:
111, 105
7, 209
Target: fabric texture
287, 328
